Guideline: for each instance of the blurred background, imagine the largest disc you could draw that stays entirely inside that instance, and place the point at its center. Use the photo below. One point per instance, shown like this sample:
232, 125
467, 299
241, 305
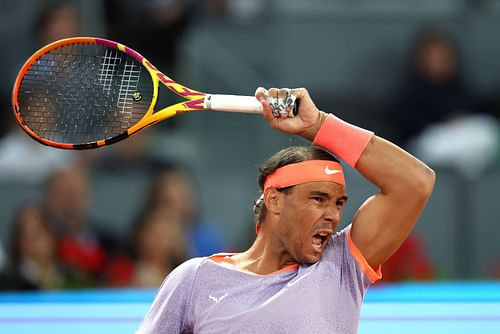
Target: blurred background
423, 74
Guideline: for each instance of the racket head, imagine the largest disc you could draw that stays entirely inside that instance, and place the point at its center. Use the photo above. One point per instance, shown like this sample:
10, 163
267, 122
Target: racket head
85, 92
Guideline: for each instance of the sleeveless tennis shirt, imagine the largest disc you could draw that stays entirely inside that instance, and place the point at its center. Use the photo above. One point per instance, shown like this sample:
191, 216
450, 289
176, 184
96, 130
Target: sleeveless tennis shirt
204, 296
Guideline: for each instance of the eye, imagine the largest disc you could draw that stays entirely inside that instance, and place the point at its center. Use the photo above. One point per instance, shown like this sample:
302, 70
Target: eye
341, 202
318, 199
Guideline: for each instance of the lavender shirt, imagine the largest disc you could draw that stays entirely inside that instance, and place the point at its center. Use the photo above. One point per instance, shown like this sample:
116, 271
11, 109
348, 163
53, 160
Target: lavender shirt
204, 296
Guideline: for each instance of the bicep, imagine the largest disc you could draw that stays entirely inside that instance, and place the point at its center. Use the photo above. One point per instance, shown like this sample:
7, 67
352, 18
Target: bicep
382, 224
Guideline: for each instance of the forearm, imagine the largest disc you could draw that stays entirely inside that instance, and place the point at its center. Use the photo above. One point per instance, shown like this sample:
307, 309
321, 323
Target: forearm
384, 164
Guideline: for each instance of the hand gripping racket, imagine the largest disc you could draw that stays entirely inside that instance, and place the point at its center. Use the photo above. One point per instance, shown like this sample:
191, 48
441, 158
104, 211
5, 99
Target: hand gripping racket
83, 92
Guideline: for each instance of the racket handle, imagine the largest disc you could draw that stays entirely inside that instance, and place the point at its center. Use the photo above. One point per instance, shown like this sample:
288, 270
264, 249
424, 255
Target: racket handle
233, 103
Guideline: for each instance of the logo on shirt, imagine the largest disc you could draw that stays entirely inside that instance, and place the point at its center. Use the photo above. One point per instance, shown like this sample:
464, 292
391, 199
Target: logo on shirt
218, 300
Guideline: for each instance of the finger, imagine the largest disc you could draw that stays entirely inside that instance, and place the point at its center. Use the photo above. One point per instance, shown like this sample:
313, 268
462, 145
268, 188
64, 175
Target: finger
279, 93
273, 92
286, 101
283, 93
267, 111
303, 102
272, 99
281, 102
300, 93
262, 95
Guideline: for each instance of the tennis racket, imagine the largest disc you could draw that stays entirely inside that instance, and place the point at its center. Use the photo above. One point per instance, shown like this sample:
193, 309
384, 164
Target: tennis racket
84, 92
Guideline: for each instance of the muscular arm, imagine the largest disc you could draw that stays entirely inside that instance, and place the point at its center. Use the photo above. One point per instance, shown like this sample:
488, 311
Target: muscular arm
384, 221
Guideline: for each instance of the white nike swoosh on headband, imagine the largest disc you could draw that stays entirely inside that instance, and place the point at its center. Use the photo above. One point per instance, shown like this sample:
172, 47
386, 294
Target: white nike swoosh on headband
332, 171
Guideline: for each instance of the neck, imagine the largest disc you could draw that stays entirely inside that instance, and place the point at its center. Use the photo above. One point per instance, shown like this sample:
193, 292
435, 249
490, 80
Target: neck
267, 255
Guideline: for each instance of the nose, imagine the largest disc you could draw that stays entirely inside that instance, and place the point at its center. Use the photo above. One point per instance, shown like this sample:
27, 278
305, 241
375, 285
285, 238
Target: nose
332, 214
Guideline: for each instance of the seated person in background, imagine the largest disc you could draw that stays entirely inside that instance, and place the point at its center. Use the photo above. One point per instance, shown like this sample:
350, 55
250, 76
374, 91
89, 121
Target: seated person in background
81, 246
435, 90
33, 262
158, 245
438, 117
172, 189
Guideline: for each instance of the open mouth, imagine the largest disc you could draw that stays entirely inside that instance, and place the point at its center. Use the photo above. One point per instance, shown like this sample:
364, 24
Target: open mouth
319, 240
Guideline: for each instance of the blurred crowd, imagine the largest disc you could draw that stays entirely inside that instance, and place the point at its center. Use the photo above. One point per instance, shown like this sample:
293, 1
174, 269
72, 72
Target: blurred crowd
54, 244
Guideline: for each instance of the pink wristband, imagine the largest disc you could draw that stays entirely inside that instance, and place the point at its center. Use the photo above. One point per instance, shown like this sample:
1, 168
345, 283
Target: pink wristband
343, 139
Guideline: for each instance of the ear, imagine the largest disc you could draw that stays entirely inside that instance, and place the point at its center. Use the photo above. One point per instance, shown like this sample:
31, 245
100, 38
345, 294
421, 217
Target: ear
273, 200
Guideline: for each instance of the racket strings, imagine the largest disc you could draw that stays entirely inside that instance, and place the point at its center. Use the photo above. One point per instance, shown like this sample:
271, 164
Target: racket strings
107, 69
82, 93
128, 85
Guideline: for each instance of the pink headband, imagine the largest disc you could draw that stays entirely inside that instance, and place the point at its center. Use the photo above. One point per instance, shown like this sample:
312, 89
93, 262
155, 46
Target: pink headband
304, 172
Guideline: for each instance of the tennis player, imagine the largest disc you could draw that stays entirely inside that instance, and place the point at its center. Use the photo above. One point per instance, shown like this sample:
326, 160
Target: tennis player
300, 275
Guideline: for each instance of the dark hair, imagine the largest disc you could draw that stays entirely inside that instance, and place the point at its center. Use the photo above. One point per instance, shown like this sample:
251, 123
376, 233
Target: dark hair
282, 158
434, 36
16, 228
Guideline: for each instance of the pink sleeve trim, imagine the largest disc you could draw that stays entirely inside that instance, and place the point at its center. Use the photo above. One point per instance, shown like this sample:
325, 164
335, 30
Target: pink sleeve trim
373, 274
343, 139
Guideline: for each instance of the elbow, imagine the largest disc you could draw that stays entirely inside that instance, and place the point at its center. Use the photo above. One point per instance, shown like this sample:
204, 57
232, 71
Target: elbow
425, 179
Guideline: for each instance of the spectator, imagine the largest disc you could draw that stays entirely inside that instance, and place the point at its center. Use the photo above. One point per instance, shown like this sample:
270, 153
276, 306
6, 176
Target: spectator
58, 20
438, 117
160, 247
138, 23
172, 189
81, 247
435, 91
33, 263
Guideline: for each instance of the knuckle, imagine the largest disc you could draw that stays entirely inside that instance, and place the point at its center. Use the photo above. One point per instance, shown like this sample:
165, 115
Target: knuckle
260, 90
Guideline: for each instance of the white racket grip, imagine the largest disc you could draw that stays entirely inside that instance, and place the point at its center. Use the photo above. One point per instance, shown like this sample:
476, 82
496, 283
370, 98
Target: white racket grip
233, 103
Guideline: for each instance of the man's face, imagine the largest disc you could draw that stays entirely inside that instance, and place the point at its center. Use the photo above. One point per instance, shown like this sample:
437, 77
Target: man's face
310, 215
68, 194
